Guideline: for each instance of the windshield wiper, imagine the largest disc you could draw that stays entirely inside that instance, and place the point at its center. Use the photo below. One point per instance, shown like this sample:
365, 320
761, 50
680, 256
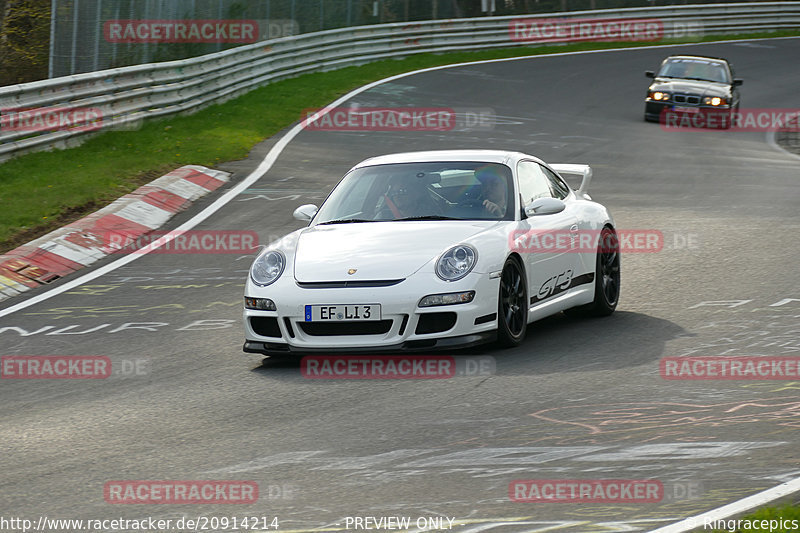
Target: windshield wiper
429, 217
344, 221
704, 79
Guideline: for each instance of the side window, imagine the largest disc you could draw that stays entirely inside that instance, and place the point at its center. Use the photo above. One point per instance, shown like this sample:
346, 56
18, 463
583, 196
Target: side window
533, 182
557, 185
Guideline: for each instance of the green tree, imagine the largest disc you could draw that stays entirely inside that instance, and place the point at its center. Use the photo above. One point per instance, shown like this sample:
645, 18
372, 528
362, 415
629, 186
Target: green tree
24, 40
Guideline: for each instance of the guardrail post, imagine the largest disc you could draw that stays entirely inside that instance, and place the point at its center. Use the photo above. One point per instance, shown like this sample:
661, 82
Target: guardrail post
51, 65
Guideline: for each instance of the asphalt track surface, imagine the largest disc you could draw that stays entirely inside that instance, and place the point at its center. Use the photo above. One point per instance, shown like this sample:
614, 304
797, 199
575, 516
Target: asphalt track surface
580, 399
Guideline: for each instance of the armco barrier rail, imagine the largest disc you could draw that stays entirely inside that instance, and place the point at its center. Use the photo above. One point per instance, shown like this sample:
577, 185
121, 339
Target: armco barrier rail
60, 112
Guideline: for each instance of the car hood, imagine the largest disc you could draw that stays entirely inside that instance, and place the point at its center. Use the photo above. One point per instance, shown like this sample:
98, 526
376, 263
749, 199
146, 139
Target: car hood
703, 88
376, 250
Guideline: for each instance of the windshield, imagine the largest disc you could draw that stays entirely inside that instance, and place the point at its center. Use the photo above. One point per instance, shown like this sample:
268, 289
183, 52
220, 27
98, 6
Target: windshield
695, 69
421, 191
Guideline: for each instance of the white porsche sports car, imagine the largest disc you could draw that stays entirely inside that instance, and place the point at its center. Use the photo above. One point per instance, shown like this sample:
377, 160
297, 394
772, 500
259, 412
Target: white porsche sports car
431, 250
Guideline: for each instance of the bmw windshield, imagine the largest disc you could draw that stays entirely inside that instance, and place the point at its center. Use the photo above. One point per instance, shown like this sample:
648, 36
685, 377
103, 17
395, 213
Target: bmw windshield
695, 69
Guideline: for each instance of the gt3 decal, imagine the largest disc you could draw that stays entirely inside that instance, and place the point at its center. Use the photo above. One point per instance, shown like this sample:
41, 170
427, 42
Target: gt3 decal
560, 283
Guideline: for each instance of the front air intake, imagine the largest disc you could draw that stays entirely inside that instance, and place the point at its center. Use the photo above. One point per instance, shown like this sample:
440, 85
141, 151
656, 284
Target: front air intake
435, 322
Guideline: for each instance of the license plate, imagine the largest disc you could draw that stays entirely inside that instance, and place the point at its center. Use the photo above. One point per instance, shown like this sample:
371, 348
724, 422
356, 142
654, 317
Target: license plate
680, 109
349, 312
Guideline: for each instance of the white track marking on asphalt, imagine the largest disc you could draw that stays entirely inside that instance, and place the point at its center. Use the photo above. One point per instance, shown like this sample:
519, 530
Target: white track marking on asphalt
732, 509
749, 45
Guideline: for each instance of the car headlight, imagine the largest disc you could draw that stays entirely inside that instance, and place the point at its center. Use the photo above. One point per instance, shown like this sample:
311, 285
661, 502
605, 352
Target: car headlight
267, 267
450, 298
260, 304
714, 100
456, 262
659, 96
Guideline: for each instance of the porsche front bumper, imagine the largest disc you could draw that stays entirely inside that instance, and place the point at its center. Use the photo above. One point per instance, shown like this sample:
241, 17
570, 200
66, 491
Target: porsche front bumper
403, 325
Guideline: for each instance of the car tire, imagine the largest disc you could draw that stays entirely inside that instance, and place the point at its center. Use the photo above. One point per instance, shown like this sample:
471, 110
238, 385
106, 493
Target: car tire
607, 278
512, 305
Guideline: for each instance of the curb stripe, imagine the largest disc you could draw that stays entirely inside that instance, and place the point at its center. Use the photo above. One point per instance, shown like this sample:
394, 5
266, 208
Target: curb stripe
81, 243
165, 200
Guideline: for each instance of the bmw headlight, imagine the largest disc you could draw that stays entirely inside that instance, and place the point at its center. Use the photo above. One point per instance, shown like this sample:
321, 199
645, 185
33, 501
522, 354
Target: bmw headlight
714, 100
659, 96
456, 262
267, 267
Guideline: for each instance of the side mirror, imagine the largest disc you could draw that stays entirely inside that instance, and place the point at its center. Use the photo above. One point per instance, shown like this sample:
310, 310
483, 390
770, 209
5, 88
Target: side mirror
737, 82
545, 206
649, 74
305, 212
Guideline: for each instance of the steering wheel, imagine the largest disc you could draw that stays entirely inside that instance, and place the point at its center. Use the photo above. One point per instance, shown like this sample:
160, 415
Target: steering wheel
471, 202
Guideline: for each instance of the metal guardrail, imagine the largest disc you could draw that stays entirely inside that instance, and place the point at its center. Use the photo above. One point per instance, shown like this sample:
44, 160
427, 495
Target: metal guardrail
123, 97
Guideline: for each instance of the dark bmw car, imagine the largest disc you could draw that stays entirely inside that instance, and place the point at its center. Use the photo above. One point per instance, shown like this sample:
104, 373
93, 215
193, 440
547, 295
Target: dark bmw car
692, 85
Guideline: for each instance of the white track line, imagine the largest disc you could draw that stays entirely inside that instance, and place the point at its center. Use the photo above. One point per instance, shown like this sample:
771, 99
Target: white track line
732, 509
276, 150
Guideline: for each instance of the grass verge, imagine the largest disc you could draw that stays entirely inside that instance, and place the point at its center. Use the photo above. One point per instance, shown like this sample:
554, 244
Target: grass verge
42, 191
769, 519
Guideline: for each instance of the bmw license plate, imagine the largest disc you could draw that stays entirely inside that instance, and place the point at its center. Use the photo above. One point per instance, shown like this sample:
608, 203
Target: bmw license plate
681, 109
349, 312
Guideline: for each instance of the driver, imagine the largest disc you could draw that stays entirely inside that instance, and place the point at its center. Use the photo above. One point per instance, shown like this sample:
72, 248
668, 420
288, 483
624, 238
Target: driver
696, 70
406, 197
398, 200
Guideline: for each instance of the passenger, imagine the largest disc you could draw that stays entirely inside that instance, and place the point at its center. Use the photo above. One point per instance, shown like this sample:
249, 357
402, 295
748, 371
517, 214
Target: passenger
494, 197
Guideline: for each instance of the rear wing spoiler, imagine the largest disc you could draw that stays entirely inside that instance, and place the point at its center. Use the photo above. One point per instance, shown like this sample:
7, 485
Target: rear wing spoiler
578, 170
